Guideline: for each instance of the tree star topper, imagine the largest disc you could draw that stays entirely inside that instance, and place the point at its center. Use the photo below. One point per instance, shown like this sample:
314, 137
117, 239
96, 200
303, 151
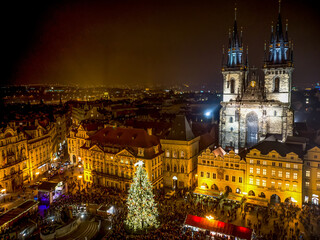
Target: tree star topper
139, 163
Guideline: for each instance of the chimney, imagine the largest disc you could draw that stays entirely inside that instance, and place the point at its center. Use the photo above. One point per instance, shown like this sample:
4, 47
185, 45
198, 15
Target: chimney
149, 130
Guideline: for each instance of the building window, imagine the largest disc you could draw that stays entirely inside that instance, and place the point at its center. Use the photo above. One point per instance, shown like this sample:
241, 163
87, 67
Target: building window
318, 186
208, 175
264, 183
275, 113
168, 167
258, 182
174, 154
231, 120
308, 164
280, 164
279, 185
295, 175
175, 168
202, 174
273, 173
276, 84
280, 174
182, 169
287, 174
182, 154
318, 174
287, 186
307, 173
240, 179
251, 170
167, 153
264, 162
273, 184
258, 170
258, 162
251, 161
294, 187
214, 176
307, 184
295, 166
287, 165
273, 164
227, 177
264, 171
250, 180
233, 178
232, 86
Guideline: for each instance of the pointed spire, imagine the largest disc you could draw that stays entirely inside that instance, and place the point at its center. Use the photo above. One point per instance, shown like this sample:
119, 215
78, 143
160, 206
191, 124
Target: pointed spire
235, 12
279, 6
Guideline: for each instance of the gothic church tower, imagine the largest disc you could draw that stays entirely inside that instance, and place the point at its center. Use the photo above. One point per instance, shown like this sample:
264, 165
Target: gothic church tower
251, 108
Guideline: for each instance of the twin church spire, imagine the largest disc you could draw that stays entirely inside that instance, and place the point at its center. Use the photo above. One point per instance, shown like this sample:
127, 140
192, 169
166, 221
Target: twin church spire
280, 48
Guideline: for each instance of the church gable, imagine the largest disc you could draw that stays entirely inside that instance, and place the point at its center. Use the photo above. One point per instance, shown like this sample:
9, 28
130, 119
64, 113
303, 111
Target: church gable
125, 153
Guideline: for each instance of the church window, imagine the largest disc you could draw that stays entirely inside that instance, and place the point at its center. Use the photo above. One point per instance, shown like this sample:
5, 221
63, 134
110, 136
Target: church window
276, 84
237, 116
232, 86
231, 119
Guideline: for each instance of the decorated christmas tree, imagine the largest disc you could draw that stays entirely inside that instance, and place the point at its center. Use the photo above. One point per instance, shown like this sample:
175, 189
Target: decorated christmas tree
142, 209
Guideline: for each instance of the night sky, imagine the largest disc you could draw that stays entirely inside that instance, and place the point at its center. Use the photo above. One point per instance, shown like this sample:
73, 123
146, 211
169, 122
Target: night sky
146, 42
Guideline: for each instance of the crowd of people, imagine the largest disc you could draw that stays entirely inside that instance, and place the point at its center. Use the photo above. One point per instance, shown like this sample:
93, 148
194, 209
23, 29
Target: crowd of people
272, 222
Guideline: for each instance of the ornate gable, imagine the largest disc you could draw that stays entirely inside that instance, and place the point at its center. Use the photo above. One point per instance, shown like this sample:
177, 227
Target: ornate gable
125, 152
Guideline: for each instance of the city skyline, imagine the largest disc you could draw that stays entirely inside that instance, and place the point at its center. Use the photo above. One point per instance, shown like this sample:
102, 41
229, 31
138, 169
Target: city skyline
145, 43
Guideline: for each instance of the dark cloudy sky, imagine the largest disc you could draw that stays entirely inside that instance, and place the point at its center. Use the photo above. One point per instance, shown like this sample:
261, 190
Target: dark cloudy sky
145, 42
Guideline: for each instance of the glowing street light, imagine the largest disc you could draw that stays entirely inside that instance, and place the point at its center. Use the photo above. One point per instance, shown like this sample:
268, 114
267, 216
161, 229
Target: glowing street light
80, 176
209, 217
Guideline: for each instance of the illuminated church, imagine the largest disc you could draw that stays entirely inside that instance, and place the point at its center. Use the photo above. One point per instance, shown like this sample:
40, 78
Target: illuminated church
253, 108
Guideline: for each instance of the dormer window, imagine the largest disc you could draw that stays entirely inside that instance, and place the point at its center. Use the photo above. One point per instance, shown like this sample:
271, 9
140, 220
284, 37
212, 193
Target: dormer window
167, 153
182, 154
140, 152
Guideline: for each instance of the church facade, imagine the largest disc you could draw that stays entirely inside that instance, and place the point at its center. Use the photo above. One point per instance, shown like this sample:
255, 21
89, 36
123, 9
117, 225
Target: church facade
254, 107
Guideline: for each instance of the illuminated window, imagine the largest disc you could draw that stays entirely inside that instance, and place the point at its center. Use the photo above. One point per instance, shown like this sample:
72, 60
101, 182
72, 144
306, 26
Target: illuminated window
287, 165
295, 166
264, 182
307, 173
251, 170
318, 186
294, 187
264, 171
287, 186
280, 174
273, 173
307, 184
167, 153
258, 182
251, 161
182, 154
318, 174
273, 184
264, 162
287, 174
295, 175
258, 170
250, 180
279, 185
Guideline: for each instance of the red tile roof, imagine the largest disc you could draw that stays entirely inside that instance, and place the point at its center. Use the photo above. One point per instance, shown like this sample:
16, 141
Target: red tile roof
127, 137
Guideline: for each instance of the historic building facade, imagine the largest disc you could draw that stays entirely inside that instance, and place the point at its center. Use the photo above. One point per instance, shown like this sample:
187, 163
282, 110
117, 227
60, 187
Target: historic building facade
13, 159
270, 172
109, 156
311, 176
253, 108
181, 149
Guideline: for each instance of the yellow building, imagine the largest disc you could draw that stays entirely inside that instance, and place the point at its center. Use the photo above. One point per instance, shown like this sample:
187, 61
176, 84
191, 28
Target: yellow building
270, 172
311, 184
42, 144
181, 148
13, 159
274, 173
109, 155
219, 172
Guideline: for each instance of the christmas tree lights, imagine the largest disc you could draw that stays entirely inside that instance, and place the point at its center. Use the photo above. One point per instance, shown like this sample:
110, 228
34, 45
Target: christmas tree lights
142, 209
